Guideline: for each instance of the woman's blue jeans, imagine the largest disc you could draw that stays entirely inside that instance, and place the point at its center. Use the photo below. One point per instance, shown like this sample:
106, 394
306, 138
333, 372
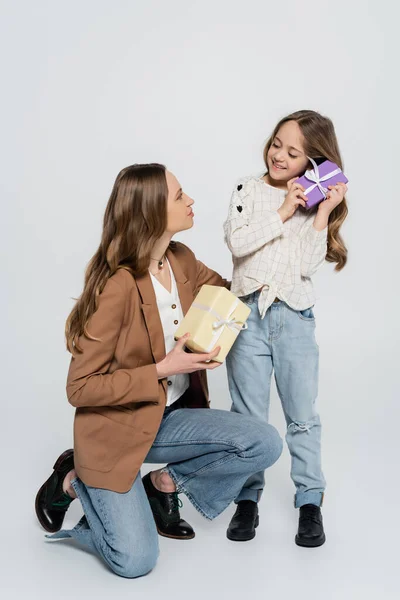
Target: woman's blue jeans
210, 455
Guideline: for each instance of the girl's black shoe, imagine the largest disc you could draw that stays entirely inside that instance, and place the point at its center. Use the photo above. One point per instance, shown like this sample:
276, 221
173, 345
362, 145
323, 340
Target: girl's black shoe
242, 527
311, 529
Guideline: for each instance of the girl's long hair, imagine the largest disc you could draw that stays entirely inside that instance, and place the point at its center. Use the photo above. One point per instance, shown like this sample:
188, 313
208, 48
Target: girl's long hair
320, 142
135, 217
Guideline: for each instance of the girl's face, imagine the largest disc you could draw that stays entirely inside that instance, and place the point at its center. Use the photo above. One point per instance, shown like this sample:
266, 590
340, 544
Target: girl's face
286, 158
179, 211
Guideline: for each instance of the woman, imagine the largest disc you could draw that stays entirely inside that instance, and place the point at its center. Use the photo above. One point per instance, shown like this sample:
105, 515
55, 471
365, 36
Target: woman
139, 397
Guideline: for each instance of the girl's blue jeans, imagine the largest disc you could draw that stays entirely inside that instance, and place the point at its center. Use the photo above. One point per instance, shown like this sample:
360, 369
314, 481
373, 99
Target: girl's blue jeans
282, 343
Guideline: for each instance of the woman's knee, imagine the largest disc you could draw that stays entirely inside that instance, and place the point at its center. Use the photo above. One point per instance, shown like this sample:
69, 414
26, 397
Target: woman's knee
269, 444
130, 564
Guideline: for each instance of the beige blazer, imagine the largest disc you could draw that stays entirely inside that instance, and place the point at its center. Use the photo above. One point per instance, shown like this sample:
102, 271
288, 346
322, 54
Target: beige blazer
113, 384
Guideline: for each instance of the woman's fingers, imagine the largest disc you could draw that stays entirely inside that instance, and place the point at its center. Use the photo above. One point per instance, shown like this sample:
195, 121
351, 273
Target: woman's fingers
203, 357
213, 353
182, 341
205, 360
213, 364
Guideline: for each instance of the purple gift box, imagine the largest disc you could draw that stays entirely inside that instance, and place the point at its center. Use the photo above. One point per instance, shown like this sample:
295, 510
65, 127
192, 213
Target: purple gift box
316, 181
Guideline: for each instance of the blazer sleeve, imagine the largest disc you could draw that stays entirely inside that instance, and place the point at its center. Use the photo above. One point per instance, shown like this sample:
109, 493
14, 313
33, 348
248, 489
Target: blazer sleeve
204, 275
89, 383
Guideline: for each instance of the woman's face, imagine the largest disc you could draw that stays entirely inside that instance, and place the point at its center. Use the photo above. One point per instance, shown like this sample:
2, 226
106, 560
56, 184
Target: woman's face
286, 158
179, 211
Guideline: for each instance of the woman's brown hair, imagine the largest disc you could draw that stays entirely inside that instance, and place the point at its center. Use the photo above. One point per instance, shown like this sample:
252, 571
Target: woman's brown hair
320, 142
135, 217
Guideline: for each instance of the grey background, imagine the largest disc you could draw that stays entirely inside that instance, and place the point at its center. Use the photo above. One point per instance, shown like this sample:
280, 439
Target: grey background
89, 87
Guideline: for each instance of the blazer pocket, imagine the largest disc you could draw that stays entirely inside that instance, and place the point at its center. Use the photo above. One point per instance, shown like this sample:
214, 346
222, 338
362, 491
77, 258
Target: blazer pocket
100, 441
123, 408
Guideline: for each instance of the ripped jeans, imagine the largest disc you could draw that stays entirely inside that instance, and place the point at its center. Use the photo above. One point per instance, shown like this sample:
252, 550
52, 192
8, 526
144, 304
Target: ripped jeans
284, 343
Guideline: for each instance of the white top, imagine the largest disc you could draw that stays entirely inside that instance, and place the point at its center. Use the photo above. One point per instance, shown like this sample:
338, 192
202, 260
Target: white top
170, 309
279, 256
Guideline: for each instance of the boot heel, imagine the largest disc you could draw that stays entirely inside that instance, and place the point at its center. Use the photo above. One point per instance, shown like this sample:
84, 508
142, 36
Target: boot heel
256, 524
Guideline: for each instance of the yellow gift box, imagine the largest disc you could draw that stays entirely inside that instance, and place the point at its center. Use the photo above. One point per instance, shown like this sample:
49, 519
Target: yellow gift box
215, 318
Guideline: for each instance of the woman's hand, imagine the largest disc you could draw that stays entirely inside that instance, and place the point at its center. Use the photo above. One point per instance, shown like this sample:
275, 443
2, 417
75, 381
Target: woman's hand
295, 198
178, 361
333, 198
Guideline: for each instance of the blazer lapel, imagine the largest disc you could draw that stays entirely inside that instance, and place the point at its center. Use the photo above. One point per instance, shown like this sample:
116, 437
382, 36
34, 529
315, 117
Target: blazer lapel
182, 282
198, 396
150, 308
151, 316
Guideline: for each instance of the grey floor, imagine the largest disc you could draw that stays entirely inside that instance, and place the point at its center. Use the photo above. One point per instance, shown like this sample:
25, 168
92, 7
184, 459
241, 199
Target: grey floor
359, 559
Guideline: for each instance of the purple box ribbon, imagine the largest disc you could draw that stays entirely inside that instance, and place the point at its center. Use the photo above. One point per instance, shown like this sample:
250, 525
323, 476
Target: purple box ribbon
313, 180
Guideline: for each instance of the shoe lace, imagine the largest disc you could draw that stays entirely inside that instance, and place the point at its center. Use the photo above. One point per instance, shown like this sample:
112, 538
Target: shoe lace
245, 510
310, 514
176, 501
62, 502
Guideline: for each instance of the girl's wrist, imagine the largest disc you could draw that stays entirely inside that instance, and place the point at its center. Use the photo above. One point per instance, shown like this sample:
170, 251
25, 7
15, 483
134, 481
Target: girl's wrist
324, 210
321, 220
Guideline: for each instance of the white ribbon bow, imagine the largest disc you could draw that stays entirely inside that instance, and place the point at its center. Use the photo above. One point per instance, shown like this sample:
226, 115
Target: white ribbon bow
231, 323
220, 323
313, 175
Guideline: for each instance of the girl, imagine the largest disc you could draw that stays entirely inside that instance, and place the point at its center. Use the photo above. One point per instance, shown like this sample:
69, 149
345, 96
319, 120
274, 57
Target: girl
140, 397
277, 246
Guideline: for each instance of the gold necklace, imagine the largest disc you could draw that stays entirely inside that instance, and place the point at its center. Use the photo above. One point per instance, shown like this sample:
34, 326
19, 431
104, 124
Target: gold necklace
159, 261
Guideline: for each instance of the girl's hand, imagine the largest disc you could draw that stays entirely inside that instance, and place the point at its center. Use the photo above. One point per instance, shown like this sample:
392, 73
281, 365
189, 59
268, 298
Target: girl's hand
178, 361
333, 198
293, 200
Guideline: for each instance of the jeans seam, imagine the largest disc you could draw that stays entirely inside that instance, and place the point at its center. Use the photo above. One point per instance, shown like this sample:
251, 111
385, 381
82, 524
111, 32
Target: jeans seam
104, 549
203, 443
204, 469
274, 337
75, 484
102, 510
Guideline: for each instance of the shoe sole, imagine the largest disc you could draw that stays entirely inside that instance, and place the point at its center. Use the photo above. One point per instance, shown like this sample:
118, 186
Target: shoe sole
58, 462
310, 544
246, 538
175, 537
